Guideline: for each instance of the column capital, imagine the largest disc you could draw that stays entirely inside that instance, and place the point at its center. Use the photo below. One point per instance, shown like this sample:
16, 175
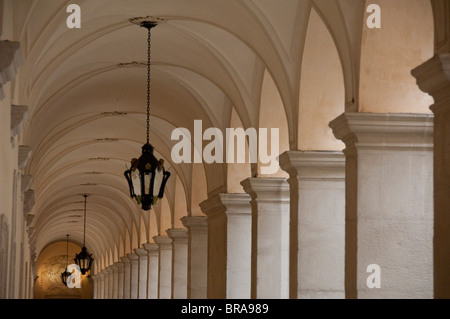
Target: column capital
19, 114
132, 257
235, 201
140, 252
10, 61
266, 188
195, 223
226, 203
125, 260
151, 248
178, 235
119, 264
384, 130
314, 165
163, 242
433, 77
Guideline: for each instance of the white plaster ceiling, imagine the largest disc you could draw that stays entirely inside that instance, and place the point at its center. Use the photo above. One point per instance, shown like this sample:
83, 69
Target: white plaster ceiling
86, 90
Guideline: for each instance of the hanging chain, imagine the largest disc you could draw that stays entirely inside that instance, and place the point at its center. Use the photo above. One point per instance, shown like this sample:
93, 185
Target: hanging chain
148, 84
84, 232
67, 251
148, 25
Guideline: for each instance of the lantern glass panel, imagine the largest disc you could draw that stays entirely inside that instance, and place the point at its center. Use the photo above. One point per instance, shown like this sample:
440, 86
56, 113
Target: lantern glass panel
135, 179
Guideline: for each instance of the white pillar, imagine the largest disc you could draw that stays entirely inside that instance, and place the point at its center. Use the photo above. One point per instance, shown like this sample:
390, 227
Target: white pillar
165, 266
108, 282
179, 262
433, 78
142, 272
389, 204
120, 279
153, 270
229, 245
134, 275
115, 280
101, 286
111, 282
317, 223
95, 283
197, 256
95, 279
126, 277
270, 237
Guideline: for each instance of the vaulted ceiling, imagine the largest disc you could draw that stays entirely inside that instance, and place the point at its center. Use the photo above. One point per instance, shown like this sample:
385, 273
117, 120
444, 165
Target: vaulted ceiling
86, 93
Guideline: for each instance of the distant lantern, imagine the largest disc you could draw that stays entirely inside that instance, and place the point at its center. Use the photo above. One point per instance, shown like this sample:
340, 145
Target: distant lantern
147, 177
65, 274
84, 260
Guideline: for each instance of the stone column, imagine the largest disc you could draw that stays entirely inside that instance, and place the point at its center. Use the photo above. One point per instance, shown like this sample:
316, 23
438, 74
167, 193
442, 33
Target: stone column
153, 270
108, 282
179, 262
95, 283
120, 279
101, 285
142, 273
96, 279
197, 256
270, 237
134, 275
165, 266
389, 204
126, 277
229, 245
111, 282
317, 223
433, 77
115, 281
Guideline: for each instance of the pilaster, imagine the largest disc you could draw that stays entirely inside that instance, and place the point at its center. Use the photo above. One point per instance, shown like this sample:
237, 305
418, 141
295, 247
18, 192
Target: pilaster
179, 262
317, 223
108, 282
153, 270
120, 279
389, 203
134, 275
229, 245
142, 272
433, 77
270, 237
197, 256
126, 277
165, 266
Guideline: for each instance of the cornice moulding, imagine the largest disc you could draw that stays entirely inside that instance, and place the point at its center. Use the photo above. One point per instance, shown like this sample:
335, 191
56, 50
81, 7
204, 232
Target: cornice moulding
384, 130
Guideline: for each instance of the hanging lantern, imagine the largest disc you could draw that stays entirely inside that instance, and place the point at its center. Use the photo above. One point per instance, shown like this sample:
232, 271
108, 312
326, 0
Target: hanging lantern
65, 275
84, 260
147, 177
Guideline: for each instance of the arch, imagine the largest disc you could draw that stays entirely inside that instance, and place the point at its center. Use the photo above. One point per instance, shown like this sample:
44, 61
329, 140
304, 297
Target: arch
322, 92
272, 116
180, 203
237, 172
388, 55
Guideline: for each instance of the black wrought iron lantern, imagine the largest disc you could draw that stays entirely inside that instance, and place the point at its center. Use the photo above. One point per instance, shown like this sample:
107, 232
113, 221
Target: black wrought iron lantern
65, 274
84, 260
147, 177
